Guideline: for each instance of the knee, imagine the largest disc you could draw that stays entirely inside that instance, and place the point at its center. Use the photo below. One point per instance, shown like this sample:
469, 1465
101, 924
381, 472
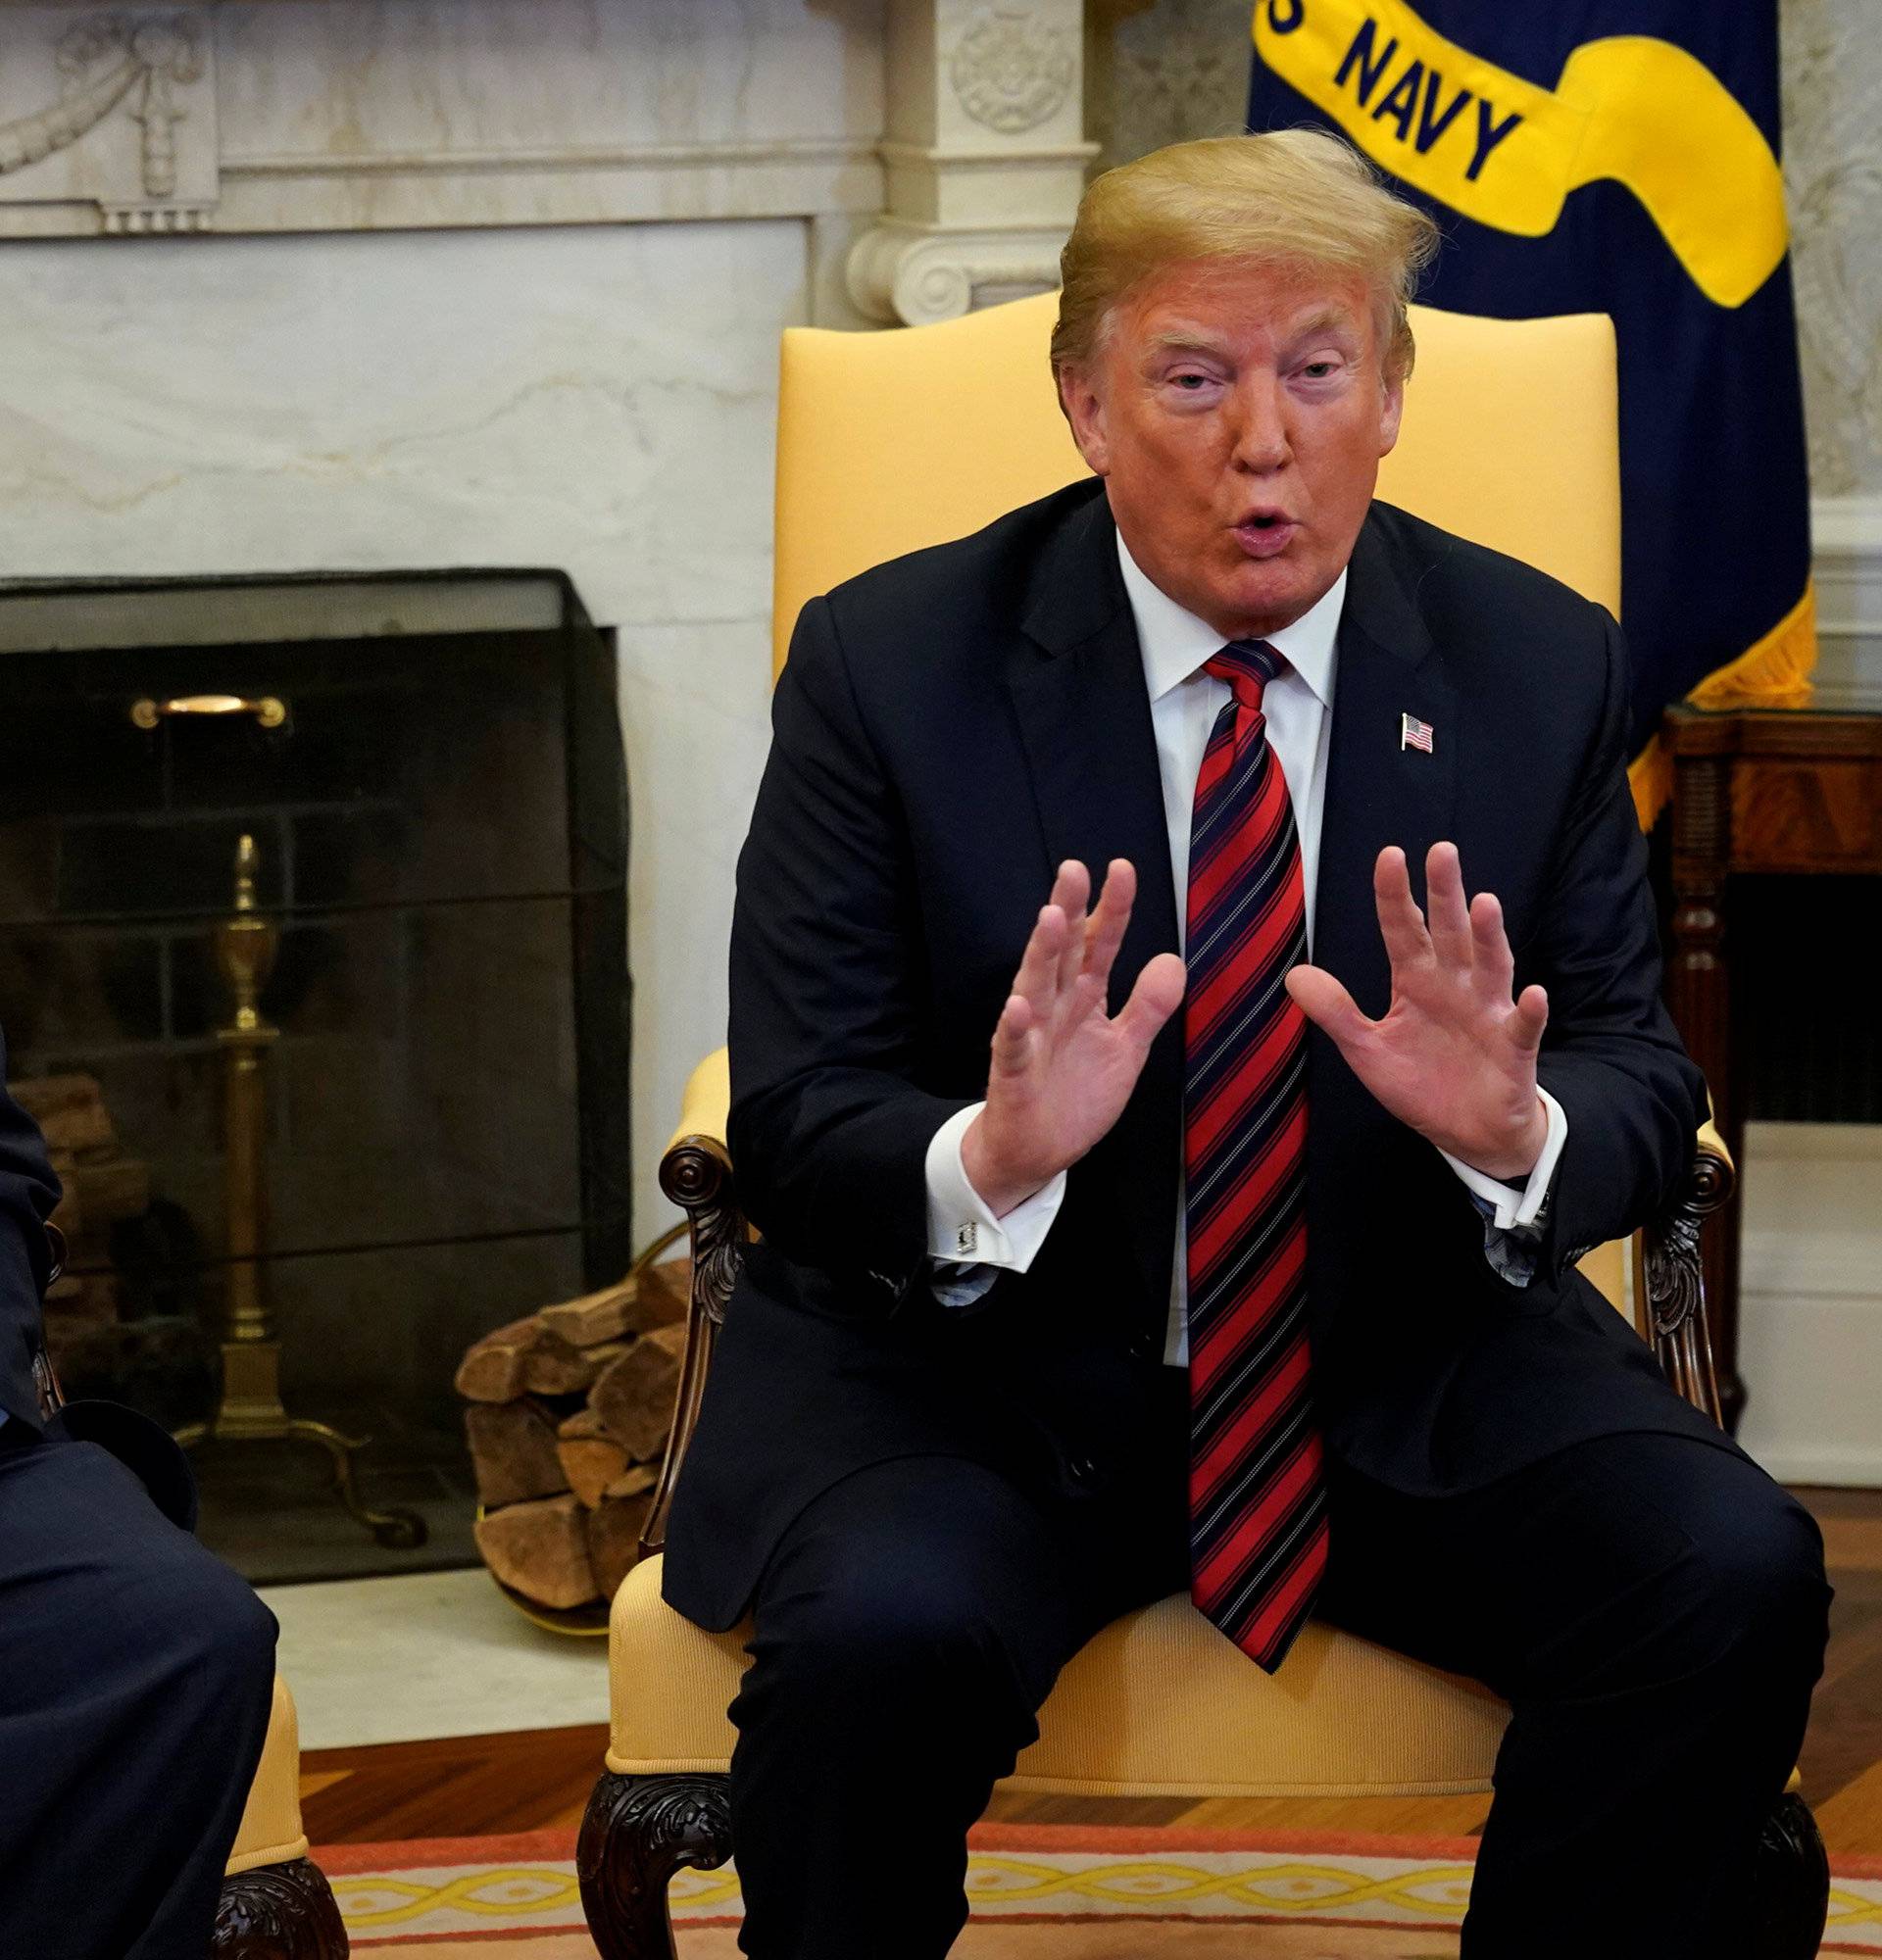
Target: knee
903, 1642
207, 1627
1764, 1588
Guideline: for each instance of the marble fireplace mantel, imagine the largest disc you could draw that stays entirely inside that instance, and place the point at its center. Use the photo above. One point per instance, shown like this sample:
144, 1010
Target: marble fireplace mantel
936, 145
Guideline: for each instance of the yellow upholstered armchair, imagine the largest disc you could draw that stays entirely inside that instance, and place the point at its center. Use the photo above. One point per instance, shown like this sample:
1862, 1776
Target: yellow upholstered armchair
887, 442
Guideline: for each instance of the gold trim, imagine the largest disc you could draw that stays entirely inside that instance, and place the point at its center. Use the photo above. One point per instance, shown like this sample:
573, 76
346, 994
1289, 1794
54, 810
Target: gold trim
1774, 671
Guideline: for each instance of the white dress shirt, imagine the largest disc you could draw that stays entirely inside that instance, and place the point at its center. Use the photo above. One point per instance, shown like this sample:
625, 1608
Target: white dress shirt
967, 1241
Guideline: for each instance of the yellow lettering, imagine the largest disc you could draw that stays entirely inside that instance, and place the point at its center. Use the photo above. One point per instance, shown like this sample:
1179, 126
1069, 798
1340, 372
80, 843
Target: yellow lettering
1639, 111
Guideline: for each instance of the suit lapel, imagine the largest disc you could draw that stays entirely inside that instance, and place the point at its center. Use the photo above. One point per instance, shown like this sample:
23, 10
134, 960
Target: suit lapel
1378, 792
1079, 694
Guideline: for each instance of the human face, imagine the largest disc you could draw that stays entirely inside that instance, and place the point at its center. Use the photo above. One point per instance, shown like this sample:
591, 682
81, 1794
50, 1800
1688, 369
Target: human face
1237, 414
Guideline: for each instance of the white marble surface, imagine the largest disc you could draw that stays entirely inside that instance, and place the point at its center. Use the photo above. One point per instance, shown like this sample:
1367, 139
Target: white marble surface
600, 400
430, 1654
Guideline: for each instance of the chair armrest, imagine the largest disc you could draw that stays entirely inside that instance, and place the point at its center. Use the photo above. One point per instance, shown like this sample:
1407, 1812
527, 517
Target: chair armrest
1671, 1282
696, 1173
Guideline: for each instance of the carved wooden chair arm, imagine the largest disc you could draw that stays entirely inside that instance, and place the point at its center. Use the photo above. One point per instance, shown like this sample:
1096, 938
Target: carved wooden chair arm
1669, 1285
696, 1173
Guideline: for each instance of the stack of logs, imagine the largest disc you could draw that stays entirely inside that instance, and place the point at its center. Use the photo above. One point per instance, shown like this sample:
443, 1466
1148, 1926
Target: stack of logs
567, 1421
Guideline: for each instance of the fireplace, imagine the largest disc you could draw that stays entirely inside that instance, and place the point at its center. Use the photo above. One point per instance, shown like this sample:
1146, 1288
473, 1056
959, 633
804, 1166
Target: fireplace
401, 800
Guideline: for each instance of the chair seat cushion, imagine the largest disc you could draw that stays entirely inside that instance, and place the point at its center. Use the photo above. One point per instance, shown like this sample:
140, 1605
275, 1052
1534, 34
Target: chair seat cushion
1158, 1701
270, 1831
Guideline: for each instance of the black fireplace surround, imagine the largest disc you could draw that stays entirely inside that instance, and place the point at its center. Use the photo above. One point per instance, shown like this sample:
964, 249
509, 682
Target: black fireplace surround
440, 828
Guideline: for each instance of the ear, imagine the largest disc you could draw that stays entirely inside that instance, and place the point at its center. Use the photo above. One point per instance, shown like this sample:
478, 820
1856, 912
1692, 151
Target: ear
1391, 413
1084, 409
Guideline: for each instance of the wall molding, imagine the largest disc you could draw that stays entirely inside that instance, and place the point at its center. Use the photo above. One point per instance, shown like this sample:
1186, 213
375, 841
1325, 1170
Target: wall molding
1846, 535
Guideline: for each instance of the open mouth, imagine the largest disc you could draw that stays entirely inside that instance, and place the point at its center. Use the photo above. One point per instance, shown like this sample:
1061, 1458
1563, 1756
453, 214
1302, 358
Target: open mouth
1263, 533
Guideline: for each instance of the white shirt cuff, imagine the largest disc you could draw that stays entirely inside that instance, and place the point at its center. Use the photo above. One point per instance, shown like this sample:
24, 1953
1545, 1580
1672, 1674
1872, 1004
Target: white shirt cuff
961, 1231
1516, 1206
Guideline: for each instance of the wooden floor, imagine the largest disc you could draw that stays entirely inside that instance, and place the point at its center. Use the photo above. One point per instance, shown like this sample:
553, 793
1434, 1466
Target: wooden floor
482, 1784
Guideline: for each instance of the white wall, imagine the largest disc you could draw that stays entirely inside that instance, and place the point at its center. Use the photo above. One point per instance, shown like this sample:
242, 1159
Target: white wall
599, 399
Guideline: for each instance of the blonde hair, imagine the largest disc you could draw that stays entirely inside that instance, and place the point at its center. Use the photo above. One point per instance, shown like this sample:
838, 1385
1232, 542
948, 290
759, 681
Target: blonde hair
1290, 198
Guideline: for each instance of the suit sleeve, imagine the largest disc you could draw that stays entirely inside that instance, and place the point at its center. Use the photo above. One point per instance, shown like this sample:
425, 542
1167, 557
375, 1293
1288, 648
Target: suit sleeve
29, 1191
1610, 1055
829, 1130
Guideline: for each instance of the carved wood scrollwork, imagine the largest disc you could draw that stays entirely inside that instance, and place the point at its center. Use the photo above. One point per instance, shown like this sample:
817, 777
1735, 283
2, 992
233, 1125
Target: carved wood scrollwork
637, 1833
279, 1912
1675, 1287
696, 1173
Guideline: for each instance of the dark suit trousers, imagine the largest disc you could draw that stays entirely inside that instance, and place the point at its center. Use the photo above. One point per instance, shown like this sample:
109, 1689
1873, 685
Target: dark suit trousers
136, 1677
1652, 1607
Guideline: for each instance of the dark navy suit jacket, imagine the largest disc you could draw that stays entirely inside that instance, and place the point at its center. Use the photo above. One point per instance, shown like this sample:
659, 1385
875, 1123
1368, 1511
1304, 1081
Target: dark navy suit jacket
951, 725
29, 1191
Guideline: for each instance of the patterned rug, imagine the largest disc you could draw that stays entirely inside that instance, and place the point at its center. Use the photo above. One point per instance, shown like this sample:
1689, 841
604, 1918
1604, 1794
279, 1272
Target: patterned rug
1038, 1892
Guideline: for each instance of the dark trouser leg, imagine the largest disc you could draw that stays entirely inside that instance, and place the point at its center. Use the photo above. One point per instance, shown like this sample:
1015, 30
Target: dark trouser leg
908, 1627
136, 1677
1656, 1611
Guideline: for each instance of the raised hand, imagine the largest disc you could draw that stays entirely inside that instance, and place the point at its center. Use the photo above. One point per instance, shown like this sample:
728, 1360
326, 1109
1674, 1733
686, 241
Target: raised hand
1061, 1069
1454, 1057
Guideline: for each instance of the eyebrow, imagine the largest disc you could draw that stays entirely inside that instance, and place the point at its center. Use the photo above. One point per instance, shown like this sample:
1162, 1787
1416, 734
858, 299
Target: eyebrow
1191, 340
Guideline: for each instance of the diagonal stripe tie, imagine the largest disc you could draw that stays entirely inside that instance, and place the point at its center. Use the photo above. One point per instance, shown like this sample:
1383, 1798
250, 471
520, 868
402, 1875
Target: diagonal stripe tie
1256, 1485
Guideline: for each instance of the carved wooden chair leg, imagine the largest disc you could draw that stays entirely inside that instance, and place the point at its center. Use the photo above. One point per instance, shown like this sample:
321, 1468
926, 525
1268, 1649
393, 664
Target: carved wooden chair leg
639, 1831
1790, 1882
279, 1912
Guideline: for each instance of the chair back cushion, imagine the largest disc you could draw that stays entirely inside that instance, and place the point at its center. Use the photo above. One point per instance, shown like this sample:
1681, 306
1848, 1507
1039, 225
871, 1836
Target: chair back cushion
890, 441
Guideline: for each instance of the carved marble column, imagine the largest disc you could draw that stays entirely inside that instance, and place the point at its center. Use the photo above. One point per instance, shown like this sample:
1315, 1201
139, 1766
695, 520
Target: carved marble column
984, 157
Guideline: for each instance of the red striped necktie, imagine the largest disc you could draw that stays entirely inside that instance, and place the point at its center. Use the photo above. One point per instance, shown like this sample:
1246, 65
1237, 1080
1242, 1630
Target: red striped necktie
1256, 1491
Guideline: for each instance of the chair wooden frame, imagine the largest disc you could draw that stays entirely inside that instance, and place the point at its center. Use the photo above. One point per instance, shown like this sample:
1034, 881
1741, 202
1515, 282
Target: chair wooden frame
640, 1829
267, 1911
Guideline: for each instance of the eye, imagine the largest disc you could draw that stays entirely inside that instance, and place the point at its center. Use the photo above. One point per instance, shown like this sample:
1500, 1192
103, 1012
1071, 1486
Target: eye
1191, 381
1319, 370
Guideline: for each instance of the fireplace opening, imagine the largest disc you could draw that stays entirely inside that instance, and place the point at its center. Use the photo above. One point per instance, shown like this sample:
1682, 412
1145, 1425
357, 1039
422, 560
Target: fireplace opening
314, 968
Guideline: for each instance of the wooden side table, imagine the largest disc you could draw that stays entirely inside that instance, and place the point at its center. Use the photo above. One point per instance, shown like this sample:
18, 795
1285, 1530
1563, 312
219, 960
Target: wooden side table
1765, 790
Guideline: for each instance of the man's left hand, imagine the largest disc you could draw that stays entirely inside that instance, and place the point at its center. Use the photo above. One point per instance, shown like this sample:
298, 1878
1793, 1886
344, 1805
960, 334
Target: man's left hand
1454, 1057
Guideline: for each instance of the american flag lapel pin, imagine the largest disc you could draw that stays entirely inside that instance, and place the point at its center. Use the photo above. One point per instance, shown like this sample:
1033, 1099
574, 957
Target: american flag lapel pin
1413, 733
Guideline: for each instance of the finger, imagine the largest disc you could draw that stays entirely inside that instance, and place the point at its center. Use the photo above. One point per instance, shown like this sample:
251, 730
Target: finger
1110, 918
1013, 1038
1037, 980
1400, 923
1447, 911
1526, 1023
1072, 894
1158, 994
1327, 1004
1495, 965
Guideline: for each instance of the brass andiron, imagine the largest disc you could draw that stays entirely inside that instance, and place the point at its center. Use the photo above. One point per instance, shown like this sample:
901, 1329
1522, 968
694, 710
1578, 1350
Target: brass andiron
251, 1410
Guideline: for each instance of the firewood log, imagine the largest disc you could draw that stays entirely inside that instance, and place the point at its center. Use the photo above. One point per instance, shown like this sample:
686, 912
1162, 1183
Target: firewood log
613, 1540
590, 1460
512, 1450
491, 1370
636, 1477
70, 1112
540, 1549
666, 1293
632, 1307
634, 1395
550, 1366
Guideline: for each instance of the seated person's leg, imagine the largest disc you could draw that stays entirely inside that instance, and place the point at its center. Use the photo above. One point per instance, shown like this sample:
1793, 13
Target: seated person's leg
136, 1673
1655, 1610
907, 1627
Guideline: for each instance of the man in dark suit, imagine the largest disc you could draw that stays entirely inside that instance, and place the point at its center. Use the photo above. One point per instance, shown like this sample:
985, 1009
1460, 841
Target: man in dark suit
137, 1671
1271, 1299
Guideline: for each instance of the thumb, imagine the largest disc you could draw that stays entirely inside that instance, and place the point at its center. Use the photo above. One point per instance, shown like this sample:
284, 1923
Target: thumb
1326, 1004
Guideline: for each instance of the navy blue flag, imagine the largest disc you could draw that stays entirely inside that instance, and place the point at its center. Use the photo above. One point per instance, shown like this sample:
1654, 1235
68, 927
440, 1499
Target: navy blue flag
1617, 157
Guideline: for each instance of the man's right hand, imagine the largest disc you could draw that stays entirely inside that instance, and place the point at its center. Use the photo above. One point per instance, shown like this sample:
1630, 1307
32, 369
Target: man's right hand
1063, 1069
